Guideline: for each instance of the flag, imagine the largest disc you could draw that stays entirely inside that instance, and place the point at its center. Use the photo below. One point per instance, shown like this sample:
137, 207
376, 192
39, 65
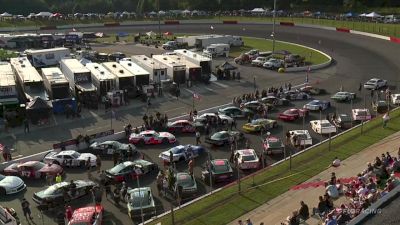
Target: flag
212, 28
308, 72
196, 96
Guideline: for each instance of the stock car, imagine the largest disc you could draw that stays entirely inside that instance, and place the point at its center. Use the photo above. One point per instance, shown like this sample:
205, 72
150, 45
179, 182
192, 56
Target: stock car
224, 137
273, 145
375, 83
274, 101
312, 90
224, 118
300, 138
70, 158
10, 185
219, 169
395, 99
260, 125
60, 193
380, 106
130, 170
253, 105
89, 215
182, 153
342, 120
322, 127
294, 95
187, 182
361, 114
109, 147
343, 96
33, 169
316, 105
293, 114
152, 137
247, 159
182, 126
232, 111
140, 200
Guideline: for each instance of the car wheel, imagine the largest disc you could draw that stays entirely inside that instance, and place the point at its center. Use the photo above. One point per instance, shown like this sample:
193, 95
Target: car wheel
2, 191
165, 141
346, 99
56, 162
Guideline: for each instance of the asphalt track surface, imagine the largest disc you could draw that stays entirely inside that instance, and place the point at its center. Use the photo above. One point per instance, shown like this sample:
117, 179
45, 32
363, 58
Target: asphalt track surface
357, 59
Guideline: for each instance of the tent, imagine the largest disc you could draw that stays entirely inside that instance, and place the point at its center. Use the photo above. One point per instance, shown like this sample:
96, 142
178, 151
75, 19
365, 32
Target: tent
38, 109
151, 34
5, 14
161, 13
152, 13
362, 15
44, 14
373, 15
186, 12
223, 71
226, 66
258, 10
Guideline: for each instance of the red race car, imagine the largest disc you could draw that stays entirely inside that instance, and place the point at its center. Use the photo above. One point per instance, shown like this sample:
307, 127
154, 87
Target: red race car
87, 215
150, 137
293, 114
183, 126
33, 169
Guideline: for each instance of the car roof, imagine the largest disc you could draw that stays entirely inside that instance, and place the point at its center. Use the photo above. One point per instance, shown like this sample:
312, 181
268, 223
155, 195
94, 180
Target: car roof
148, 132
300, 131
272, 139
108, 142
220, 162
246, 152
68, 152
85, 214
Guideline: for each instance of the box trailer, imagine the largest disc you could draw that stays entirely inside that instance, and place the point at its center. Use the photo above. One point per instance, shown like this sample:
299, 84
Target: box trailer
193, 71
47, 57
102, 79
204, 62
206, 40
8, 89
190, 40
176, 69
216, 50
157, 71
142, 77
125, 80
56, 84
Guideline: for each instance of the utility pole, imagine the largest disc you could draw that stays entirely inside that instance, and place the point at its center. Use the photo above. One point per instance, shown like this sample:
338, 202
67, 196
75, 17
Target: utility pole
273, 28
159, 18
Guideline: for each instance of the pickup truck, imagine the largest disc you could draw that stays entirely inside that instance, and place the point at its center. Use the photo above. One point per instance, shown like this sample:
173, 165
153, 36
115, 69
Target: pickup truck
254, 53
294, 60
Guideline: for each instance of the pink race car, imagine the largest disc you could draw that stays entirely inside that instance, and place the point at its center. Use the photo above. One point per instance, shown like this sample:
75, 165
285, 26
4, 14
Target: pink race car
33, 169
151, 137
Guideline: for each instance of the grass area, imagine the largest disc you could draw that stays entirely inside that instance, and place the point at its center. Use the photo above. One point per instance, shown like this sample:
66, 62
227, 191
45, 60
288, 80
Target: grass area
266, 45
5, 54
227, 205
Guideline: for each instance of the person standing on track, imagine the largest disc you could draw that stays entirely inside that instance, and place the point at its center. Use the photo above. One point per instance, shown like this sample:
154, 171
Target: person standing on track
26, 209
98, 163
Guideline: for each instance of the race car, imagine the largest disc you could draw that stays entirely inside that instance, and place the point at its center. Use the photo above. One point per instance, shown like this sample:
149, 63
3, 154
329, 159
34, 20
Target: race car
293, 114
375, 83
150, 137
33, 169
342, 120
254, 105
322, 127
70, 158
295, 95
130, 170
343, 96
10, 185
109, 147
274, 101
273, 145
380, 106
224, 137
188, 184
312, 90
300, 138
182, 153
61, 193
232, 111
316, 105
220, 170
184, 126
260, 125
224, 118
89, 215
361, 114
247, 159
140, 201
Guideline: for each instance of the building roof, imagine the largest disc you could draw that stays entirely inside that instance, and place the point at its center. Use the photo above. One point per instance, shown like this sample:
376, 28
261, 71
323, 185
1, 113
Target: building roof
117, 69
186, 62
54, 75
7, 75
192, 55
168, 60
75, 65
100, 72
134, 68
50, 50
24, 69
145, 61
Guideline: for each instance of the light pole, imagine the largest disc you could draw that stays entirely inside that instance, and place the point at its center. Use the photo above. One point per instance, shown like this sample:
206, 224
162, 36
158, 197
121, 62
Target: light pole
209, 170
159, 19
140, 194
273, 28
254, 83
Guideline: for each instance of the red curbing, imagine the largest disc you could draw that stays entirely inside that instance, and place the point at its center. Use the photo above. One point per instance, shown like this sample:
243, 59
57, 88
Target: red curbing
345, 30
112, 24
171, 22
230, 22
395, 40
286, 24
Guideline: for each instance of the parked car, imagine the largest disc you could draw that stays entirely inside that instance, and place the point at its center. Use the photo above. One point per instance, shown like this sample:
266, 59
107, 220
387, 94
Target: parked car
224, 118
343, 121
295, 95
70, 158
116, 55
343, 96
380, 106
184, 126
232, 111
293, 114
259, 61
182, 153
300, 138
361, 114
188, 184
33, 169
223, 137
273, 63
140, 201
322, 127
294, 60
87, 215
312, 90
10, 185
247, 159
395, 99
220, 170
60, 193
109, 147
254, 105
273, 145
274, 101
258, 125
152, 137
317, 105
375, 83
130, 170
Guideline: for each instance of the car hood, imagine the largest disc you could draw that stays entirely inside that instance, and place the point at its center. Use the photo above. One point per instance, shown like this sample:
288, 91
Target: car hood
11, 181
166, 134
51, 168
85, 156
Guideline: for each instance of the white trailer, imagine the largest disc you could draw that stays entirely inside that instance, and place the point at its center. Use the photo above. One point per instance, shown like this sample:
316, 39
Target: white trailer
193, 71
8, 86
206, 40
190, 40
78, 76
102, 79
125, 80
157, 71
216, 50
56, 84
142, 77
47, 57
176, 69
204, 62
29, 79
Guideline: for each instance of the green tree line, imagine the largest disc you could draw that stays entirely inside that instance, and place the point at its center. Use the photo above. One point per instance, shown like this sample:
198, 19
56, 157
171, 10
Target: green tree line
72, 6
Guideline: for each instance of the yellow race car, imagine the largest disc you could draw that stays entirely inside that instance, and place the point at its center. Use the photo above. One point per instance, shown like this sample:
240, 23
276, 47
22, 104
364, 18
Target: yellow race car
260, 125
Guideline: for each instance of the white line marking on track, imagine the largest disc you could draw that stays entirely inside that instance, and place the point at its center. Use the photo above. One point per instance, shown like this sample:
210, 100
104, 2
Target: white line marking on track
219, 84
208, 89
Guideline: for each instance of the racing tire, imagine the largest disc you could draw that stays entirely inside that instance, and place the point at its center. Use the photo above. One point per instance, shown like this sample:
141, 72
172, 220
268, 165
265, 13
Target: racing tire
56, 162
165, 141
182, 159
2, 192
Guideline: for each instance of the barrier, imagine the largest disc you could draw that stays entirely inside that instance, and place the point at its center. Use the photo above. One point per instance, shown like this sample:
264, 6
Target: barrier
395, 40
111, 24
341, 29
171, 22
229, 22
48, 28
291, 24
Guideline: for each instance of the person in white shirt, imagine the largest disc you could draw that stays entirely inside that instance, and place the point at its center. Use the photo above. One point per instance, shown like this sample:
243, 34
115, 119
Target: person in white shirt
332, 191
362, 191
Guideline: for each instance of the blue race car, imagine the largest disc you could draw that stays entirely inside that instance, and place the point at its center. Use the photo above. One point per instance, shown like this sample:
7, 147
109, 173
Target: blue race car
182, 153
316, 105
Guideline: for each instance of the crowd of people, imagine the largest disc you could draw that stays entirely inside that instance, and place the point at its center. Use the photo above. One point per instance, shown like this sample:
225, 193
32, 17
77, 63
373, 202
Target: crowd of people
377, 180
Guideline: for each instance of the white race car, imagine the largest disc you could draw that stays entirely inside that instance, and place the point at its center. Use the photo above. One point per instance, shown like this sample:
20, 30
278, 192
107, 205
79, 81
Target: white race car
11, 185
395, 99
151, 137
375, 83
70, 158
247, 159
224, 118
361, 114
322, 127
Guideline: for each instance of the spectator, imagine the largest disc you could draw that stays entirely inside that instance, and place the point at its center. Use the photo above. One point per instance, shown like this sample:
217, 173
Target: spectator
330, 220
26, 209
116, 196
68, 213
191, 166
294, 219
304, 213
108, 190
240, 222
198, 136
26, 126
233, 124
343, 216
58, 178
385, 119
321, 208
98, 163
49, 178
248, 222
395, 165
124, 191
332, 190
